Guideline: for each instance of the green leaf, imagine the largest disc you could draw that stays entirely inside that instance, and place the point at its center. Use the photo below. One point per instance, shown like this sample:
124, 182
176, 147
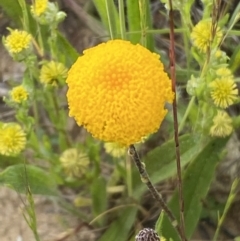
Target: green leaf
234, 61
68, 51
196, 182
109, 16
234, 16
139, 21
12, 9
9, 160
20, 177
149, 37
161, 162
99, 197
133, 16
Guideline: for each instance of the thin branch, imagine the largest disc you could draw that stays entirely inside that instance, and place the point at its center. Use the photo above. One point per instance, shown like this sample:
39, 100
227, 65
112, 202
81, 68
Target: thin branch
175, 117
146, 180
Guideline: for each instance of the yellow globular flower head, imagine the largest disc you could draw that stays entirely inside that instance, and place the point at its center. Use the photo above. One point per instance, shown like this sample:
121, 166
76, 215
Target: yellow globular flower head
223, 91
19, 94
12, 139
52, 73
39, 7
115, 149
117, 91
17, 41
202, 35
74, 163
222, 125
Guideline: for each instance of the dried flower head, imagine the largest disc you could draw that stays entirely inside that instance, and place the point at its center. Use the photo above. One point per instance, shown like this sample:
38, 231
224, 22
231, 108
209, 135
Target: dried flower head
39, 7
222, 125
19, 94
223, 91
17, 41
115, 149
74, 163
147, 234
12, 139
53, 73
117, 91
202, 35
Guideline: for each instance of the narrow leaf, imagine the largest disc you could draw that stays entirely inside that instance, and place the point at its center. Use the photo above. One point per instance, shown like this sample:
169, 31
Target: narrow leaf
139, 22
133, 16
99, 197
109, 16
67, 50
235, 58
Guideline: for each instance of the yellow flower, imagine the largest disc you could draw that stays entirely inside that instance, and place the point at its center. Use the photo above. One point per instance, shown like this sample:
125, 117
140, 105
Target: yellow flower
224, 72
74, 163
19, 94
202, 35
117, 91
224, 91
17, 41
222, 125
39, 7
47, 13
12, 139
115, 149
52, 73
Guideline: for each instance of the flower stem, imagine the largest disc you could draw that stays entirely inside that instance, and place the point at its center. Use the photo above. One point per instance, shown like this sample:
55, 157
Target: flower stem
229, 202
176, 131
146, 180
190, 105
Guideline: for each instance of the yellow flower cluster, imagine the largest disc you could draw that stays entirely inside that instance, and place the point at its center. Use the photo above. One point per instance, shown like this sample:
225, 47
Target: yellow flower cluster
224, 72
222, 125
74, 163
117, 91
39, 7
12, 139
202, 35
52, 73
19, 94
17, 41
115, 149
47, 13
224, 93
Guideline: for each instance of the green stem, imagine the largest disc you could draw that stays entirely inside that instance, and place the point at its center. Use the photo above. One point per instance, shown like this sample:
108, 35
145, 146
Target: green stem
229, 202
142, 11
122, 19
183, 121
109, 18
25, 19
129, 176
58, 118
